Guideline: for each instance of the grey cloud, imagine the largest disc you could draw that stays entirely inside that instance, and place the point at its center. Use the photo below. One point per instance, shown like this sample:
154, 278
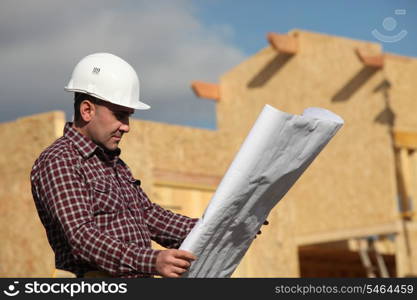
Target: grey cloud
41, 41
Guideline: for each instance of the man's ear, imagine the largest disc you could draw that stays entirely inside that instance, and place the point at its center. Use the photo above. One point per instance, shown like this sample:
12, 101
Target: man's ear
87, 110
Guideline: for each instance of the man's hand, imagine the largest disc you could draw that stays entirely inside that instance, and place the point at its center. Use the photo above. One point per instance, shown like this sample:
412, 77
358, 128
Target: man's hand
173, 262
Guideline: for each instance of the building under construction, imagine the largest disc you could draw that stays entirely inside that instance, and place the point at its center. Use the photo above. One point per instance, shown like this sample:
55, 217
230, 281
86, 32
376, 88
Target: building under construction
351, 214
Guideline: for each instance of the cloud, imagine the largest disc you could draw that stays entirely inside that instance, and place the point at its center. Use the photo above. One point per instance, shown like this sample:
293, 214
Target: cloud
41, 41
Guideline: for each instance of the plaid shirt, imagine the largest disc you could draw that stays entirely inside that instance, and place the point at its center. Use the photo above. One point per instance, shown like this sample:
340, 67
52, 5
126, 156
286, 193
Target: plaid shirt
95, 214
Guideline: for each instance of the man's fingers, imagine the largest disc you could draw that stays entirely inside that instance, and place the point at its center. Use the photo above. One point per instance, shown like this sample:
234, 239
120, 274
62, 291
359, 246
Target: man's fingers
181, 263
175, 271
173, 262
178, 271
185, 255
172, 274
175, 274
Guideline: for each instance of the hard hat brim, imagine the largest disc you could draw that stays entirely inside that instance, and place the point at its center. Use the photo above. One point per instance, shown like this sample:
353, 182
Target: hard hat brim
139, 105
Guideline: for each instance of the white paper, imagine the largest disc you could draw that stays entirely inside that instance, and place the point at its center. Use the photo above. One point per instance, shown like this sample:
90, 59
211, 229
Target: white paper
277, 150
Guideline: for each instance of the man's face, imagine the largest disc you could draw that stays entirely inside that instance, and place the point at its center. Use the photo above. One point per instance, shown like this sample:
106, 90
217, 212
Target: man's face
109, 123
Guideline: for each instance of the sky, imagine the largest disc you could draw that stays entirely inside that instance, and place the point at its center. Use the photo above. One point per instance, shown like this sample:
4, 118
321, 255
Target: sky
169, 43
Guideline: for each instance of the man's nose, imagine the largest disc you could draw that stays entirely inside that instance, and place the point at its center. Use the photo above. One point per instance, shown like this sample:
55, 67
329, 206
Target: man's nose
125, 127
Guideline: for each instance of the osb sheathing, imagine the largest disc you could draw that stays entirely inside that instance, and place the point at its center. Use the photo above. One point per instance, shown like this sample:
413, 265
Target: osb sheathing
151, 146
351, 183
400, 91
25, 250
406, 249
185, 149
136, 153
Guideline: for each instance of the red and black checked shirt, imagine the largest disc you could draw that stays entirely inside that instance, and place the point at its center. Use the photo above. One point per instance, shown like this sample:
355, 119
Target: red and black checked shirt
95, 214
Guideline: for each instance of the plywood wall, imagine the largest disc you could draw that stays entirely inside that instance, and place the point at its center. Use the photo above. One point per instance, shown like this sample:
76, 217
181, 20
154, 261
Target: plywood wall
400, 73
24, 251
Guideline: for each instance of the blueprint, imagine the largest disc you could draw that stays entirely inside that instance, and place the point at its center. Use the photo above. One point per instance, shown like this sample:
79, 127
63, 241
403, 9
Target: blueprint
278, 149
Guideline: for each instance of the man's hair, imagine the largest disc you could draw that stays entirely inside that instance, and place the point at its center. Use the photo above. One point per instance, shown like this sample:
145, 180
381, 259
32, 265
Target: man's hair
78, 98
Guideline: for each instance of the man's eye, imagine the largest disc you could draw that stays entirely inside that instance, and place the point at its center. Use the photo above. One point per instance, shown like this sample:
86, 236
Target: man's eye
119, 116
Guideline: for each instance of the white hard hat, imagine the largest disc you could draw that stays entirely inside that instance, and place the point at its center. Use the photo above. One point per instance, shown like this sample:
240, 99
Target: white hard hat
107, 77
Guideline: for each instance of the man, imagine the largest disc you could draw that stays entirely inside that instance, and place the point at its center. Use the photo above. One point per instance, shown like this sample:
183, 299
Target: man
96, 216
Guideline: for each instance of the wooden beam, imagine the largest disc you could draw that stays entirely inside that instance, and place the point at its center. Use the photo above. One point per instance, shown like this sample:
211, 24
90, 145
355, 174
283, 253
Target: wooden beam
348, 233
186, 180
370, 60
405, 139
405, 181
206, 90
283, 43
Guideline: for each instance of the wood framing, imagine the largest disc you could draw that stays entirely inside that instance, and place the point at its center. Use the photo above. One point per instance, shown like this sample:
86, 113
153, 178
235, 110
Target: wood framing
189, 180
370, 60
337, 235
405, 181
206, 90
405, 143
405, 139
283, 43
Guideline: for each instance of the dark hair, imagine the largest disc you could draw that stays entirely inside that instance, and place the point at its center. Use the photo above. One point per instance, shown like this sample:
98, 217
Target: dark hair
78, 98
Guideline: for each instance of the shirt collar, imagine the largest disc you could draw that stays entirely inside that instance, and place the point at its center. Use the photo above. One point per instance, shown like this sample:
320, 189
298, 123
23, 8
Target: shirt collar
86, 146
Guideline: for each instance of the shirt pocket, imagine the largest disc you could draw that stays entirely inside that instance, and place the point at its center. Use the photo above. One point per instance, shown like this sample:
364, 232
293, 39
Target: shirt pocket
138, 198
105, 198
